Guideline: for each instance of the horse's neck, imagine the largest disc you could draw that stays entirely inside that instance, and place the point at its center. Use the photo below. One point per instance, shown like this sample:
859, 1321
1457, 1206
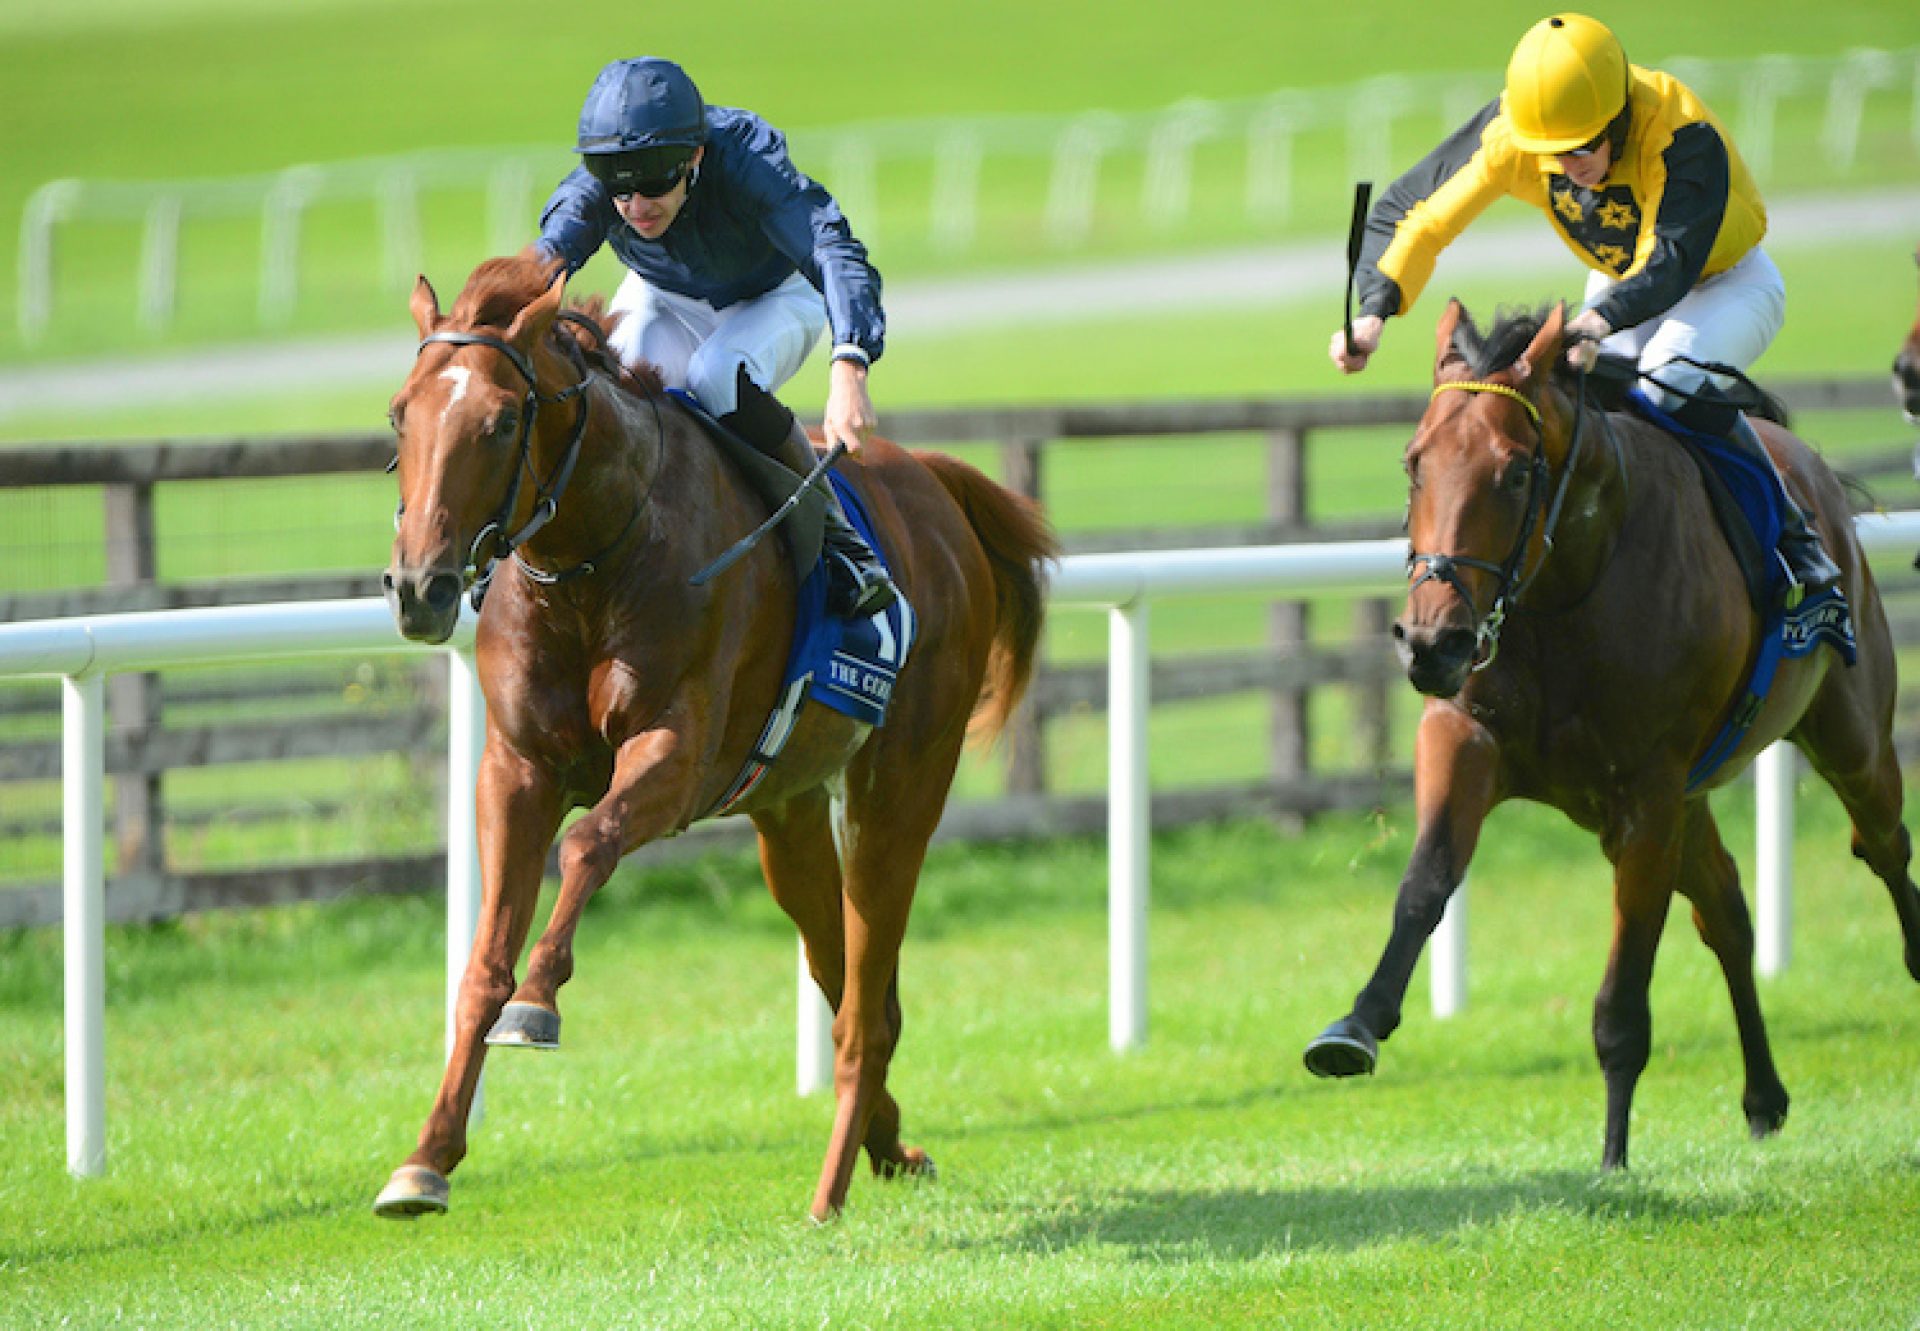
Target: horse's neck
1593, 511
619, 456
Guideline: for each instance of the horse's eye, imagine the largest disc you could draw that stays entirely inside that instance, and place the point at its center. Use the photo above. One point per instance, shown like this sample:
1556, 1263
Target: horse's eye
507, 425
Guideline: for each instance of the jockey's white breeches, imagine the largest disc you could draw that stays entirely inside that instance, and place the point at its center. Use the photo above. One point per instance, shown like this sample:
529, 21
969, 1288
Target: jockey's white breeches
1729, 318
701, 349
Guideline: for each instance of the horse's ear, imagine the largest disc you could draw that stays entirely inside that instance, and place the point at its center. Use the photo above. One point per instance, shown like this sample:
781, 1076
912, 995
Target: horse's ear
532, 323
1543, 353
1443, 348
425, 306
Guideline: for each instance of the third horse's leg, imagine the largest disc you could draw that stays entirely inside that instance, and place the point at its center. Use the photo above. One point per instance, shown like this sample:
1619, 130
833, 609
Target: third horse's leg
1455, 769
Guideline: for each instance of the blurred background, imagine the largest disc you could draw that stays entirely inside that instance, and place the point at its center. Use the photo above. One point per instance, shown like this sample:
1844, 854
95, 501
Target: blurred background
216, 211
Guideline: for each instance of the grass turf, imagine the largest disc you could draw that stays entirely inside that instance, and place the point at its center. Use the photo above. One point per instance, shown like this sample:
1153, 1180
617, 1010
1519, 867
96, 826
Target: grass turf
267, 1070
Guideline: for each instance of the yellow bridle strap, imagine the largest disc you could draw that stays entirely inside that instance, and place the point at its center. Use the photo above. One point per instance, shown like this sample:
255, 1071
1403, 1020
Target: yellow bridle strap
1482, 386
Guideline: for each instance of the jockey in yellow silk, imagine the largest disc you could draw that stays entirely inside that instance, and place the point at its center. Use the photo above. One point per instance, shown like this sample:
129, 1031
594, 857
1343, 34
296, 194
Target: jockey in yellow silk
1643, 183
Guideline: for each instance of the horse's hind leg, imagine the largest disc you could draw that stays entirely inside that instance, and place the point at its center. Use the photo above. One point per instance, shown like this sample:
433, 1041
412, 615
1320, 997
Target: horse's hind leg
1711, 881
893, 801
1847, 736
802, 868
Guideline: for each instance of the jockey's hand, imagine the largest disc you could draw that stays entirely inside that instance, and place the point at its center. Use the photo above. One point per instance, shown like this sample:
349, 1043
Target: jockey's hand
849, 418
1583, 335
1366, 341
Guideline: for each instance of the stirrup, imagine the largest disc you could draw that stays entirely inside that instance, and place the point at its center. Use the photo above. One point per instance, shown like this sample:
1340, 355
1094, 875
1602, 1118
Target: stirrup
858, 588
1796, 590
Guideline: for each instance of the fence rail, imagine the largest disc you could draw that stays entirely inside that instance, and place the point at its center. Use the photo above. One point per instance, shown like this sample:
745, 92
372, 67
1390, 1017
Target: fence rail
82, 652
157, 732
948, 154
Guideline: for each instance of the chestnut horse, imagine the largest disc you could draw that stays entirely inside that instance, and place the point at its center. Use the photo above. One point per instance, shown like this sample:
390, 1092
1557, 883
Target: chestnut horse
1619, 647
611, 682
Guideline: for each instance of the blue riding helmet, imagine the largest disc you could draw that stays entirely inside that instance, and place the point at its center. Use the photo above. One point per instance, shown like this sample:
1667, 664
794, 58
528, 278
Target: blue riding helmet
643, 103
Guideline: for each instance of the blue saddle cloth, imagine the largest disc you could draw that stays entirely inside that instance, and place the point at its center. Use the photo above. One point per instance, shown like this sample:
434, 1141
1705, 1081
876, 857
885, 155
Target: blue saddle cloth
849, 665
1784, 634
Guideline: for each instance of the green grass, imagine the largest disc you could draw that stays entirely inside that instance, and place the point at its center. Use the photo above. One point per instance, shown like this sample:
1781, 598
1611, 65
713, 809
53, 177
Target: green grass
266, 1071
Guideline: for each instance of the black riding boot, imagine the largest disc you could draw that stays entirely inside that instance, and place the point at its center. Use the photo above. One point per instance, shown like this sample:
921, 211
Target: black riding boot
1810, 567
857, 582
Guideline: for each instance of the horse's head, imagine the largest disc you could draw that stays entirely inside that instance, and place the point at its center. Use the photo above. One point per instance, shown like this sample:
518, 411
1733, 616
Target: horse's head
1906, 377
1477, 480
464, 422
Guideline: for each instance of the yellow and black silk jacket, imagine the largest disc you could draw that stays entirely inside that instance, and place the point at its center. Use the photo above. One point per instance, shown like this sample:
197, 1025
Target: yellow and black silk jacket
1677, 205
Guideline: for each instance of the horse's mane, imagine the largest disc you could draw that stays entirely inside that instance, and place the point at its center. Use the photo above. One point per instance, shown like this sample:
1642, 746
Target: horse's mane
500, 288
1513, 332
643, 378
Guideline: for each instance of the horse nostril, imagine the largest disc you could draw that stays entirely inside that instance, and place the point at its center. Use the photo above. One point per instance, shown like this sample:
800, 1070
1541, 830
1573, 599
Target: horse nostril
386, 581
1399, 631
442, 590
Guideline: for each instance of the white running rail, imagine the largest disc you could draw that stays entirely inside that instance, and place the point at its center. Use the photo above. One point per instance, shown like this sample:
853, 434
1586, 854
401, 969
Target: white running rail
81, 652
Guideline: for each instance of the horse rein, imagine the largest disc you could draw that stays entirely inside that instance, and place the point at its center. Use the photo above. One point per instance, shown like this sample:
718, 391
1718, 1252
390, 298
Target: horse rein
549, 492
1446, 568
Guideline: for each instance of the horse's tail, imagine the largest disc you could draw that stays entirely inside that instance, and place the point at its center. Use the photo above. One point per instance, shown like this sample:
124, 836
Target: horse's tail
1019, 543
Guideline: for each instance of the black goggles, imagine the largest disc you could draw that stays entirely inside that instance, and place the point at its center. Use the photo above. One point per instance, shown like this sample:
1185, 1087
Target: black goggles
1590, 147
648, 172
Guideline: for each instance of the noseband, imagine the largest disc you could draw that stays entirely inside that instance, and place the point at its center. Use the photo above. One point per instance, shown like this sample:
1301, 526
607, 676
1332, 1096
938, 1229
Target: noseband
1446, 568
549, 492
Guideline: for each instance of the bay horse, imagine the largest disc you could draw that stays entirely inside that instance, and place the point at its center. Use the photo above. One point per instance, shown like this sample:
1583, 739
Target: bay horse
1619, 646
612, 683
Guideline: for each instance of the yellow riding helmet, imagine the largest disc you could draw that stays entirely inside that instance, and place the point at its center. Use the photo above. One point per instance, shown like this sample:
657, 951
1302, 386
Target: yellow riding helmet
1565, 84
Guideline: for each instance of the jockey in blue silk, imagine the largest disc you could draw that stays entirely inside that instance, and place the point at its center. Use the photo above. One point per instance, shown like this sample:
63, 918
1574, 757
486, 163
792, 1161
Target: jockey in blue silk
738, 261
1645, 187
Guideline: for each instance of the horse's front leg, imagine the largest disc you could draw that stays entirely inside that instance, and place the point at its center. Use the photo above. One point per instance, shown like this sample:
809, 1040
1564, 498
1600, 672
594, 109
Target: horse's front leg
1456, 764
519, 809
655, 782
1644, 842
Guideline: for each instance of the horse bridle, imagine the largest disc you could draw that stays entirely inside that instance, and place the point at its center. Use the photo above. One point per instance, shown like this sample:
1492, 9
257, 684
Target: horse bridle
1446, 568
549, 492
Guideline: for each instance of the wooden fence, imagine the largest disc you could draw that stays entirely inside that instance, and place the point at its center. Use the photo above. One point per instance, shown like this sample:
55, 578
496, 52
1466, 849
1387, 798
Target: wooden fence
1288, 668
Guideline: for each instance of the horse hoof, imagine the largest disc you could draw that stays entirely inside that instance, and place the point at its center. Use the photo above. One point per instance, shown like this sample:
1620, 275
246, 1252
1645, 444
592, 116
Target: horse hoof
413, 1190
1344, 1049
527, 1025
1764, 1122
913, 1163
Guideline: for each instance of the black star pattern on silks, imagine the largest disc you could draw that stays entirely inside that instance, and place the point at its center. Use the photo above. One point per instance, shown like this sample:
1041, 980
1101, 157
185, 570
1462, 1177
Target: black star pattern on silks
1595, 220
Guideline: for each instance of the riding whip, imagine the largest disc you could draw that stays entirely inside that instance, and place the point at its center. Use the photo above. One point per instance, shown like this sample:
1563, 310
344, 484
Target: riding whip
1362, 196
745, 543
